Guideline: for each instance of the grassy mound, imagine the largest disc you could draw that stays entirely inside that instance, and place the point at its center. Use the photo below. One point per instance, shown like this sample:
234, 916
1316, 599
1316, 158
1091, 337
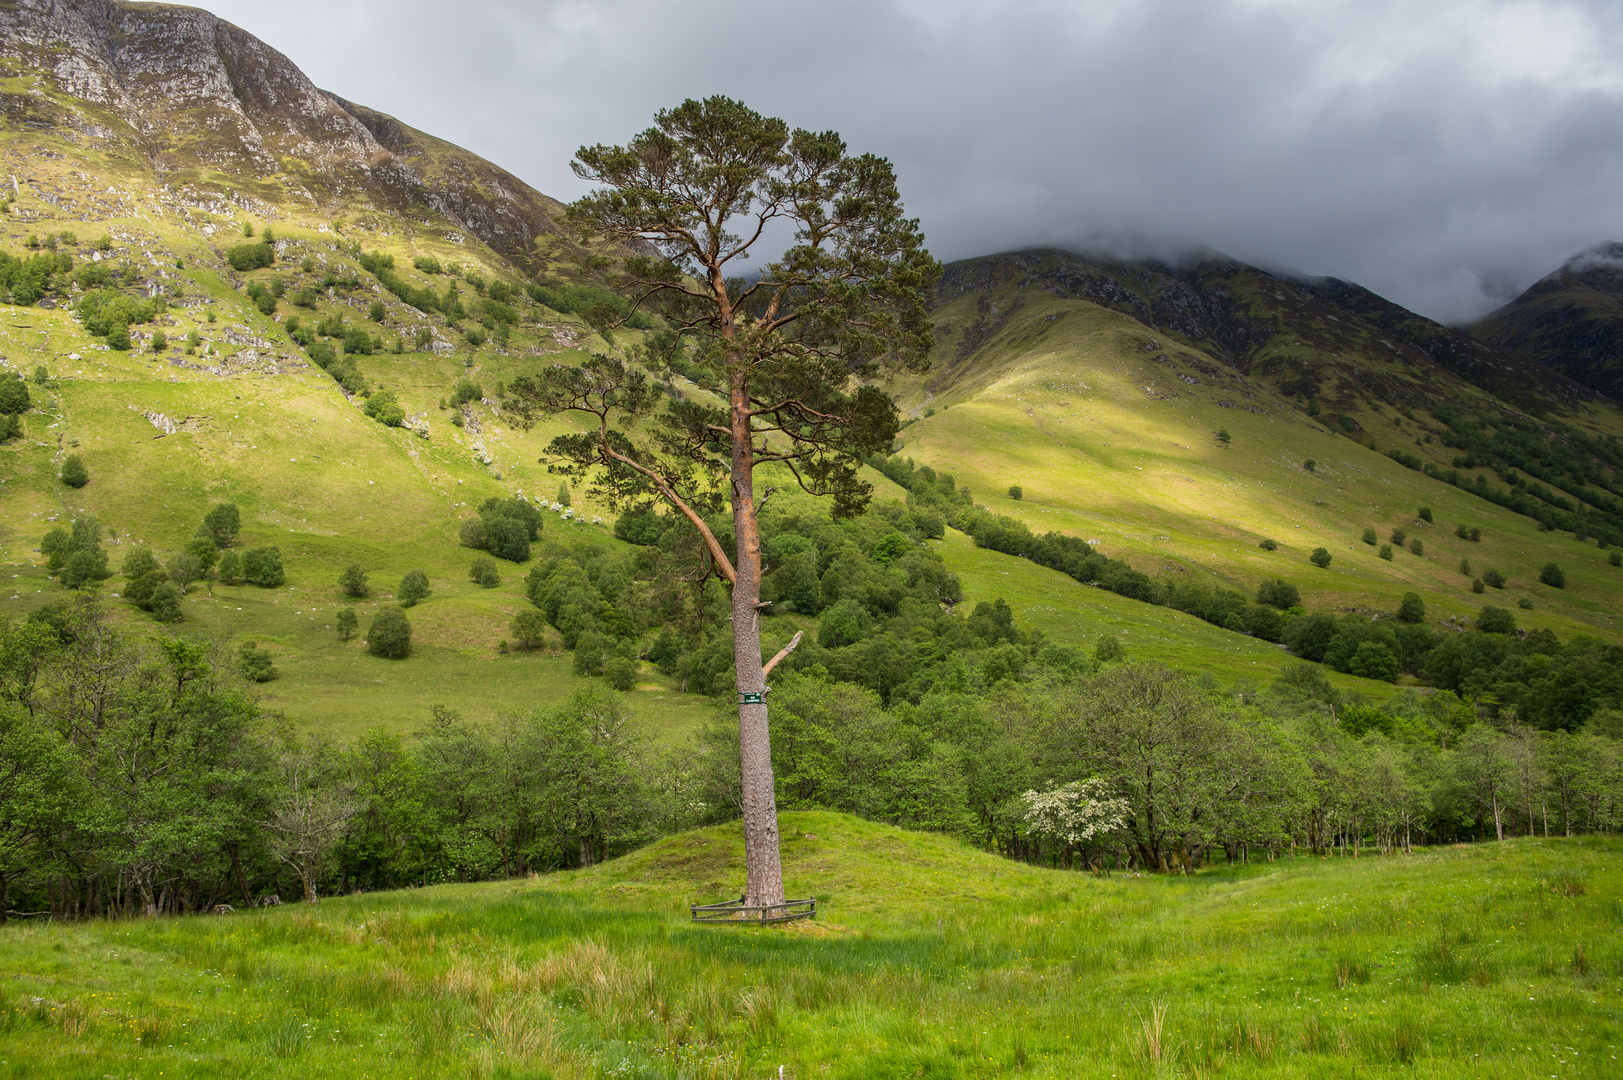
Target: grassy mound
929, 959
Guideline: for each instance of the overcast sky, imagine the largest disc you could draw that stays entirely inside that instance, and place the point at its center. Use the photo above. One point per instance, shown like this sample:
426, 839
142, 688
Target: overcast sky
1445, 154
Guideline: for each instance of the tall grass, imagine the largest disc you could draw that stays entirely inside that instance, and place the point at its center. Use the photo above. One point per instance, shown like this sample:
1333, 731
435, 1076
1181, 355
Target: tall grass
929, 959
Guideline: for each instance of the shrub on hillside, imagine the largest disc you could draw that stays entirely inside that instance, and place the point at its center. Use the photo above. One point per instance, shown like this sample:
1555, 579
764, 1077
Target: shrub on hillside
1553, 576
1320, 558
1412, 609
262, 566
390, 635
483, 572
1280, 594
1370, 538
1495, 620
74, 473
1268, 545
230, 568
246, 257
352, 582
1016, 492
1494, 578
255, 663
1416, 546
139, 561
165, 603
1425, 513
413, 588
11, 427
1109, 648
620, 673
529, 629
13, 393
1386, 552
346, 624
385, 408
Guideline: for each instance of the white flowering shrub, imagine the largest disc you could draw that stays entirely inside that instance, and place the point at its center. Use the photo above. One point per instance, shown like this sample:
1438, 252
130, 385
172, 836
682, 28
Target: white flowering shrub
1074, 813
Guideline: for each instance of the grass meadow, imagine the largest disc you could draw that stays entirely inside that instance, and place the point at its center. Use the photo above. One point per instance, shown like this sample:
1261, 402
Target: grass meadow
928, 959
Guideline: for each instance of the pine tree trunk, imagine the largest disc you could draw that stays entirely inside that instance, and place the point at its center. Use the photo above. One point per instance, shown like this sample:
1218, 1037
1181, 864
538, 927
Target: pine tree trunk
763, 871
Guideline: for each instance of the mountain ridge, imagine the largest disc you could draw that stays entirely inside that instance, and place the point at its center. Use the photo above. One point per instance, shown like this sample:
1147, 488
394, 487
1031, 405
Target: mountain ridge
1570, 319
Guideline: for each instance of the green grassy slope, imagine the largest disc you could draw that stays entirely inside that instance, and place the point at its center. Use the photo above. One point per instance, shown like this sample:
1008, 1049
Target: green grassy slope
928, 959
1111, 437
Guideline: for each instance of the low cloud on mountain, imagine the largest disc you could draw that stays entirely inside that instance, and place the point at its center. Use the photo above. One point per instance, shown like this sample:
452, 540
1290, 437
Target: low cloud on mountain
1443, 154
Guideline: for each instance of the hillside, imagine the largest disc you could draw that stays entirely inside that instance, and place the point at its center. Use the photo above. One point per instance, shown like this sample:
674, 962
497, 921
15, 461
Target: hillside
155, 148
1108, 425
927, 958
1571, 319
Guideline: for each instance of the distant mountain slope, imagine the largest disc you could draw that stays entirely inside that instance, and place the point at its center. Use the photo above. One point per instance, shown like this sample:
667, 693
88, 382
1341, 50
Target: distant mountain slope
1571, 320
1306, 338
194, 100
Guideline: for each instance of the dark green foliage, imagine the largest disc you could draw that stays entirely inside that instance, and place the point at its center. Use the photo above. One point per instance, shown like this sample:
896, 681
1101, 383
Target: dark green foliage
1016, 492
385, 408
414, 589
426, 263
222, 524
562, 498
1495, 620
82, 539
620, 673
24, 281
110, 314
1476, 585
505, 527
140, 588
1223, 436
1615, 558
1494, 578
255, 663
465, 391
483, 572
165, 603
13, 393
1370, 538
389, 635
1412, 609
352, 582
1385, 552
1320, 558
357, 342
230, 568
346, 624
246, 257
1310, 465
1425, 513
160, 341
1525, 604
1399, 536
1553, 576
74, 473
11, 427
376, 312
262, 566
1279, 594
1416, 546
1268, 545
1406, 459
1109, 649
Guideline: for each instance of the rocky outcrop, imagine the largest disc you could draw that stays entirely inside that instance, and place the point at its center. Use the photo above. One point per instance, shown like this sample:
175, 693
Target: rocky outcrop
1571, 320
196, 96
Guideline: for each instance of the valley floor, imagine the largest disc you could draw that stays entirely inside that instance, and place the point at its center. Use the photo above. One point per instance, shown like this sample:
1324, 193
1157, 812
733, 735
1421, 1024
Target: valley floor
929, 959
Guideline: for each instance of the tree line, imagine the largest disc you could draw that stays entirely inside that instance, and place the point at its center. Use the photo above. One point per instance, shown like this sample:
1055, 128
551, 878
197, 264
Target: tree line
141, 776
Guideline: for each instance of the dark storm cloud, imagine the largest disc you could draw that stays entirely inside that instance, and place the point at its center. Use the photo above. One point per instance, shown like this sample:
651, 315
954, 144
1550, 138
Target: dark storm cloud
1444, 154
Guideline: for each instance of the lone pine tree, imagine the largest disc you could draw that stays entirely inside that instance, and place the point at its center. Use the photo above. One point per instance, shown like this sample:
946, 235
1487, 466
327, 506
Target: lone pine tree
673, 228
